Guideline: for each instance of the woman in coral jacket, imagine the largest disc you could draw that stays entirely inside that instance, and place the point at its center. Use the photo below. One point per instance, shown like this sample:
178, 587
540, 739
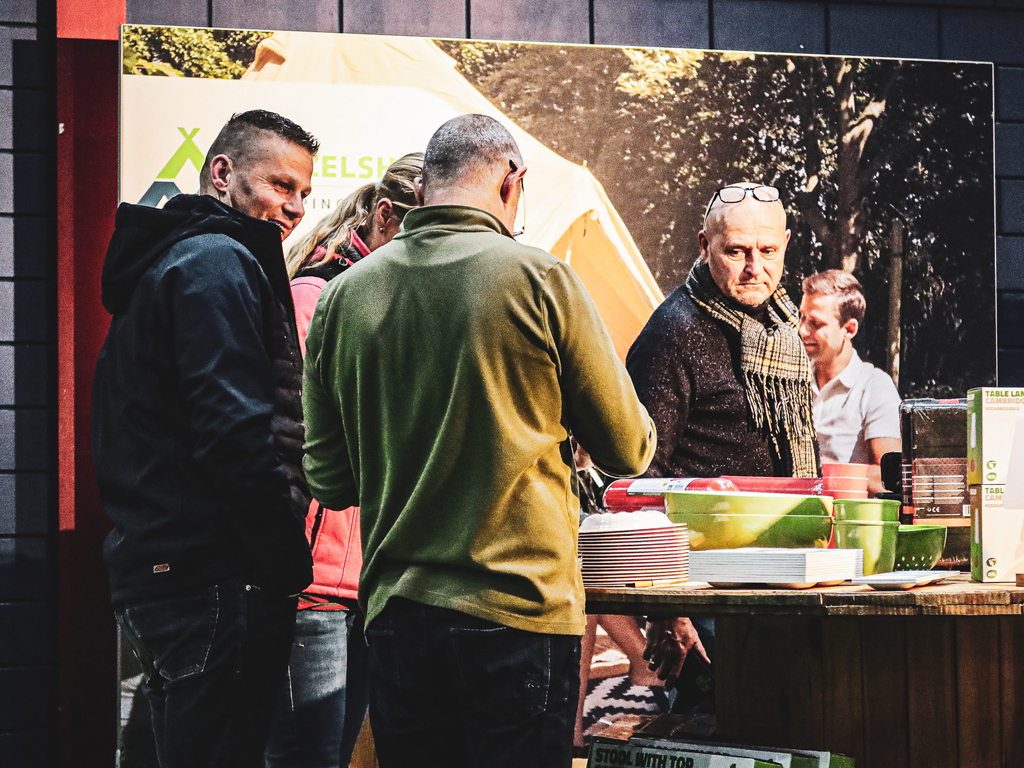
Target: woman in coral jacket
325, 697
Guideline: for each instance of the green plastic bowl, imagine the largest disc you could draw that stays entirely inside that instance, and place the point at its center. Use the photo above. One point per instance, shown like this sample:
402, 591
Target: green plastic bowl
711, 531
919, 547
876, 538
719, 520
877, 510
732, 503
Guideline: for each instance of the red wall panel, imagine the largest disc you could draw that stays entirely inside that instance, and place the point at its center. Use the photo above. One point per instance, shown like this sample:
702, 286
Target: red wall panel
87, 84
90, 19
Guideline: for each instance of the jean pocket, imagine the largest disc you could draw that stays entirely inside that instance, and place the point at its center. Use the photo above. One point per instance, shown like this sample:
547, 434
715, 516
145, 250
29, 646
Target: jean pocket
383, 655
384, 661
175, 633
506, 672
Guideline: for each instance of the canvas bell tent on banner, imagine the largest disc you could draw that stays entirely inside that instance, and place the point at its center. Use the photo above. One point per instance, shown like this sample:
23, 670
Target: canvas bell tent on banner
372, 99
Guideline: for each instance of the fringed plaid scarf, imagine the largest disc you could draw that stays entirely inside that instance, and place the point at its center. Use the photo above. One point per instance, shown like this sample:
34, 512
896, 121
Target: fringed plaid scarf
777, 373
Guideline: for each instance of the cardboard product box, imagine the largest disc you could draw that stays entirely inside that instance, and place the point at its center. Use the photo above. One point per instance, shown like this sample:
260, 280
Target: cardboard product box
784, 757
934, 436
617, 754
997, 536
991, 423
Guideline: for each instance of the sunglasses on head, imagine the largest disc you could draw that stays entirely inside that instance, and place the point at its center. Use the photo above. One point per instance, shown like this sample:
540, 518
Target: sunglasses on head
736, 193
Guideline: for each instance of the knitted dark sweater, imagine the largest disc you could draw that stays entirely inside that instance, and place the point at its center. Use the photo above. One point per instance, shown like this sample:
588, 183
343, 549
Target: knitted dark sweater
686, 370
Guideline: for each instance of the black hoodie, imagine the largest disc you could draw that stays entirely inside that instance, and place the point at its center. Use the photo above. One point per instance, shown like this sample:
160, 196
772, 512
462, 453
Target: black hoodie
196, 420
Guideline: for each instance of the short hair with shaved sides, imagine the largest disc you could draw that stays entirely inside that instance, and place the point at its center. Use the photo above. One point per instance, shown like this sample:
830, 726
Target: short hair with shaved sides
461, 145
845, 287
240, 138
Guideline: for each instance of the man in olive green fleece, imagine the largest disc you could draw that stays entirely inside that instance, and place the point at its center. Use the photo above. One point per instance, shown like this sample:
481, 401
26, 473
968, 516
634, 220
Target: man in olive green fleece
443, 378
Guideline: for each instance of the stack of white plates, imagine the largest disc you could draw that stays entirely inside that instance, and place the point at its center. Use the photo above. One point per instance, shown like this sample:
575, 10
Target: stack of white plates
632, 548
769, 565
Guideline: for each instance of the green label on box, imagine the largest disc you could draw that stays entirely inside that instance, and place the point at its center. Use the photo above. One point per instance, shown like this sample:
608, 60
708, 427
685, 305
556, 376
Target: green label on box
974, 426
997, 536
991, 423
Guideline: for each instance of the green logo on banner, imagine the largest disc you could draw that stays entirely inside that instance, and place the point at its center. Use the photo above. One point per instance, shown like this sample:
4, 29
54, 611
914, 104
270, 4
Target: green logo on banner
187, 151
164, 187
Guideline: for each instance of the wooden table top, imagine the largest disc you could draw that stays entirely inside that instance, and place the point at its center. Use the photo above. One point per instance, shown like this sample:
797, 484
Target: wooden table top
956, 595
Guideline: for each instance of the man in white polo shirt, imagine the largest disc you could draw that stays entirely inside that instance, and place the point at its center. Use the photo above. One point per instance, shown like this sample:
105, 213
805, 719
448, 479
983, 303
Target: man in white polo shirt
856, 406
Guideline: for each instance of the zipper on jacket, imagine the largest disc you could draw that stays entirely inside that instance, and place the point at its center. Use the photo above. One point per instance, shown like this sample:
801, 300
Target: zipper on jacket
317, 522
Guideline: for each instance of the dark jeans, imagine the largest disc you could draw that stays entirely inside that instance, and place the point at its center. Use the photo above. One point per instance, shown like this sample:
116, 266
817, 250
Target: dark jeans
213, 662
451, 690
357, 686
323, 701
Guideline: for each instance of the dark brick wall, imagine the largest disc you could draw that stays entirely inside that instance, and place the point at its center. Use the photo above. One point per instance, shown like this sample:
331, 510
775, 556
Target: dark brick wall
981, 30
28, 415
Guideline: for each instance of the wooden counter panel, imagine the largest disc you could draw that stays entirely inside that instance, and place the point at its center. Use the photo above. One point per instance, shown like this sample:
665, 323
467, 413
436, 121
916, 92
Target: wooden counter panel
958, 597
977, 699
970, 610
931, 692
1011, 690
884, 681
772, 694
931, 678
859, 610
842, 685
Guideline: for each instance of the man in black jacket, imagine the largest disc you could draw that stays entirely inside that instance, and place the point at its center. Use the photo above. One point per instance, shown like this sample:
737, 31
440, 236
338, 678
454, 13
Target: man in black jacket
720, 364
722, 370
197, 442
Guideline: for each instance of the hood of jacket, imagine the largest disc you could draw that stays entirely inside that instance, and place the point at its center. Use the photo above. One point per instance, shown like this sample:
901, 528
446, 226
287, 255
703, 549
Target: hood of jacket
143, 234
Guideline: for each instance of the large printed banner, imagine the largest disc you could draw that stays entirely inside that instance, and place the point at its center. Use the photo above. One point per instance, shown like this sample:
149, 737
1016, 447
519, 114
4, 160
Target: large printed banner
881, 162
173, 120
371, 100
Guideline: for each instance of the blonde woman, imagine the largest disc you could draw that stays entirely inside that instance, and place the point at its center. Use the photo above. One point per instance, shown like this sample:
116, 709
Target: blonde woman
362, 222
325, 696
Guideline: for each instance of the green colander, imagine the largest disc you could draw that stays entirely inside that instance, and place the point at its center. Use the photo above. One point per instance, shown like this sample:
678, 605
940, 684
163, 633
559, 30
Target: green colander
919, 547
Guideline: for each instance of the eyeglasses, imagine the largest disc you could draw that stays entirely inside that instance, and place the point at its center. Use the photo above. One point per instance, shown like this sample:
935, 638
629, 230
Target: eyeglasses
736, 194
505, 189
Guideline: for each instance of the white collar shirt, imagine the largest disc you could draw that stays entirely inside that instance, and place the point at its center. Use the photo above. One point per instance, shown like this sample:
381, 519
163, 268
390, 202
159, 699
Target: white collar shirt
858, 405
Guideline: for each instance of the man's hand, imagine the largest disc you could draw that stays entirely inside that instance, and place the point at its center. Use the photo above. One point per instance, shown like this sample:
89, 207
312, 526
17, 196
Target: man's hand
668, 642
579, 455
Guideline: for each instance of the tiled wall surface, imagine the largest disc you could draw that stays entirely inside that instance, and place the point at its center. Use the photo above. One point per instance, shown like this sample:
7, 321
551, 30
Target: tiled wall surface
983, 30
28, 385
